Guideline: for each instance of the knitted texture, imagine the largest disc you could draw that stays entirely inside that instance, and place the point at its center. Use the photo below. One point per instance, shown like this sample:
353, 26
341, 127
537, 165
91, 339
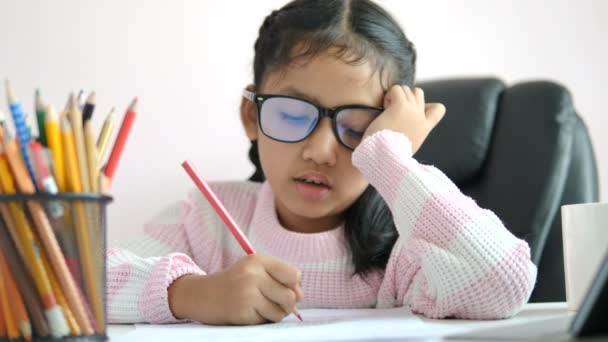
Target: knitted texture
452, 258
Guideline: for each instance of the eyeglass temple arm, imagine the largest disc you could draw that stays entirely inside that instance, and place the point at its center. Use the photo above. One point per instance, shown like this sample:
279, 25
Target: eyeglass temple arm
248, 94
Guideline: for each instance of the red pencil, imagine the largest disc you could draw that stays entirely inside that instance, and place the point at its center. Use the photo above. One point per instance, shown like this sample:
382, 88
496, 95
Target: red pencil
121, 140
221, 210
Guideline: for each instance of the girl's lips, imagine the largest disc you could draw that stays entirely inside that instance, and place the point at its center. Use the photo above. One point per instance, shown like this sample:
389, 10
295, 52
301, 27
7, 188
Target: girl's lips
311, 191
313, 176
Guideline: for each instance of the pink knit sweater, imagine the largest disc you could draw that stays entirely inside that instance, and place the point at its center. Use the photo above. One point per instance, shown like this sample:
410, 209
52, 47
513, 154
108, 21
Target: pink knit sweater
452, 258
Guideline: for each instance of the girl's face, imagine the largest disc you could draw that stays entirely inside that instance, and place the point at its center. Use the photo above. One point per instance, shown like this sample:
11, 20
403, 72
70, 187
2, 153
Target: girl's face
289, 167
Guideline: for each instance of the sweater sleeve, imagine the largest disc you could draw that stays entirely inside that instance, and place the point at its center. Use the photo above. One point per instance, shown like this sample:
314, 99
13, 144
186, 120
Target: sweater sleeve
452, 258
140, 272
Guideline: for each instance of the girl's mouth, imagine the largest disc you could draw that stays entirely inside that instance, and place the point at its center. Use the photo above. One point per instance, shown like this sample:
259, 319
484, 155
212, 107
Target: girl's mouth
314, 187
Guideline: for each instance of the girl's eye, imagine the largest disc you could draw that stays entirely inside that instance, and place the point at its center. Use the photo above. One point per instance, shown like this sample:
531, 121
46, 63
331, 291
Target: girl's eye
353, 134
295, 119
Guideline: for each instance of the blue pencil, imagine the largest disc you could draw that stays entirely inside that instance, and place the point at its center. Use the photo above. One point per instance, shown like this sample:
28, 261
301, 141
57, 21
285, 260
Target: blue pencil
23, 132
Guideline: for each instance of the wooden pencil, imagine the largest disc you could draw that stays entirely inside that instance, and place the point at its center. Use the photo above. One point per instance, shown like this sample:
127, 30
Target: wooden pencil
75, 116
11, 324
104, 136
81, 226
91, 152
89, 107
3, 331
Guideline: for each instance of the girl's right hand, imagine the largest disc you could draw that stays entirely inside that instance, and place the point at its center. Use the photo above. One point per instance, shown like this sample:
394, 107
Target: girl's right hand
256, 289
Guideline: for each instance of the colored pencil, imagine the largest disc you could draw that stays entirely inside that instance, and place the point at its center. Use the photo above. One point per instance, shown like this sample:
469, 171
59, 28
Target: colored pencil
121, 140
41, 118
222, 212
23, 132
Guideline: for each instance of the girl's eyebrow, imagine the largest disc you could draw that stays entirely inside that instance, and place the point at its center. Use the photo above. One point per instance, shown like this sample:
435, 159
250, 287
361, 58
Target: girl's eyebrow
293, 91
290, 90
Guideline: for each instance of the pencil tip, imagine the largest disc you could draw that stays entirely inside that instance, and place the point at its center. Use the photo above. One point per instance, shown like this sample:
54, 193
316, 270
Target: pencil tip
38, 100
92, 98
10, 94
51, 113
133, 105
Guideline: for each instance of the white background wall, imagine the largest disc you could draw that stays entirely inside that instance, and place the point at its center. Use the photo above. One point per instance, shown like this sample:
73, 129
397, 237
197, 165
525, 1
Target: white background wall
188, 60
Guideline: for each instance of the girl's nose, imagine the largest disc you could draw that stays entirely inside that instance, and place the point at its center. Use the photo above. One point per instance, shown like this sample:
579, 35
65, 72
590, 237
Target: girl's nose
321, 145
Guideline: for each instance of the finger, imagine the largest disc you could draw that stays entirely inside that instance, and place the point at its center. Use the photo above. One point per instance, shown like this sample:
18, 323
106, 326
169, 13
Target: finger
253, 317
299, 293
278, 294
409, 95
282, 272
434, 112
394, 95
270, 311
419, 94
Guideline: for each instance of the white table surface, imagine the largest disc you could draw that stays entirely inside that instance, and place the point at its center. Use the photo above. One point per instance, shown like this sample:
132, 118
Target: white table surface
534, 311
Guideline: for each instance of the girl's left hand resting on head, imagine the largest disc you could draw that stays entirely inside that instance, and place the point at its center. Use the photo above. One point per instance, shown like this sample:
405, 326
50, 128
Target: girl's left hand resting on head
406, 112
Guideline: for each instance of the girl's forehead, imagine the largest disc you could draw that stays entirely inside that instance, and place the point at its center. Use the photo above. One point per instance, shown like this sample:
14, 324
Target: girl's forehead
327, 80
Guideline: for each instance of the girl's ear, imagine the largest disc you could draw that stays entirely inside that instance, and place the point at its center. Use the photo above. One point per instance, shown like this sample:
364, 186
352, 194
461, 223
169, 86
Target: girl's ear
249, 116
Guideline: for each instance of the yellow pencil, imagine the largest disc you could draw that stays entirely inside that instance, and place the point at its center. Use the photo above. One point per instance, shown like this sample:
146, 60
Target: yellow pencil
75, 116
104, 136
93, 208
53, 312
91, 147
80, 223
53, 138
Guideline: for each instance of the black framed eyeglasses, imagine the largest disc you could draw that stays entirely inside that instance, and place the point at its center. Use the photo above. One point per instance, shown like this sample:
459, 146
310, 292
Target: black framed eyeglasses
290, 119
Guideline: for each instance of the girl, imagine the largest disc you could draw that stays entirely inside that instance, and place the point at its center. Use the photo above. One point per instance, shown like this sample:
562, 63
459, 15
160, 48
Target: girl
340, 212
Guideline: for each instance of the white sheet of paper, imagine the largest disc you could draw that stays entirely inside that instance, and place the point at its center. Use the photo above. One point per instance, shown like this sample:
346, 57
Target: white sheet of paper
318, 325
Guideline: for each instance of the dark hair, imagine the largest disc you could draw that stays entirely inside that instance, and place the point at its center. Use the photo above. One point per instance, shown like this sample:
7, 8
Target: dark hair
362, 31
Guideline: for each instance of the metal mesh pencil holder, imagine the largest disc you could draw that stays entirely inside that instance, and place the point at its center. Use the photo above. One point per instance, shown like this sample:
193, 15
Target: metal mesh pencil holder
52, 263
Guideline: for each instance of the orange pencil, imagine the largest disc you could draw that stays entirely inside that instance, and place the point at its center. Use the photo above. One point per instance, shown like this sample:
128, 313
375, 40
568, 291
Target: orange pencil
15, 300
3, 332
11, 323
